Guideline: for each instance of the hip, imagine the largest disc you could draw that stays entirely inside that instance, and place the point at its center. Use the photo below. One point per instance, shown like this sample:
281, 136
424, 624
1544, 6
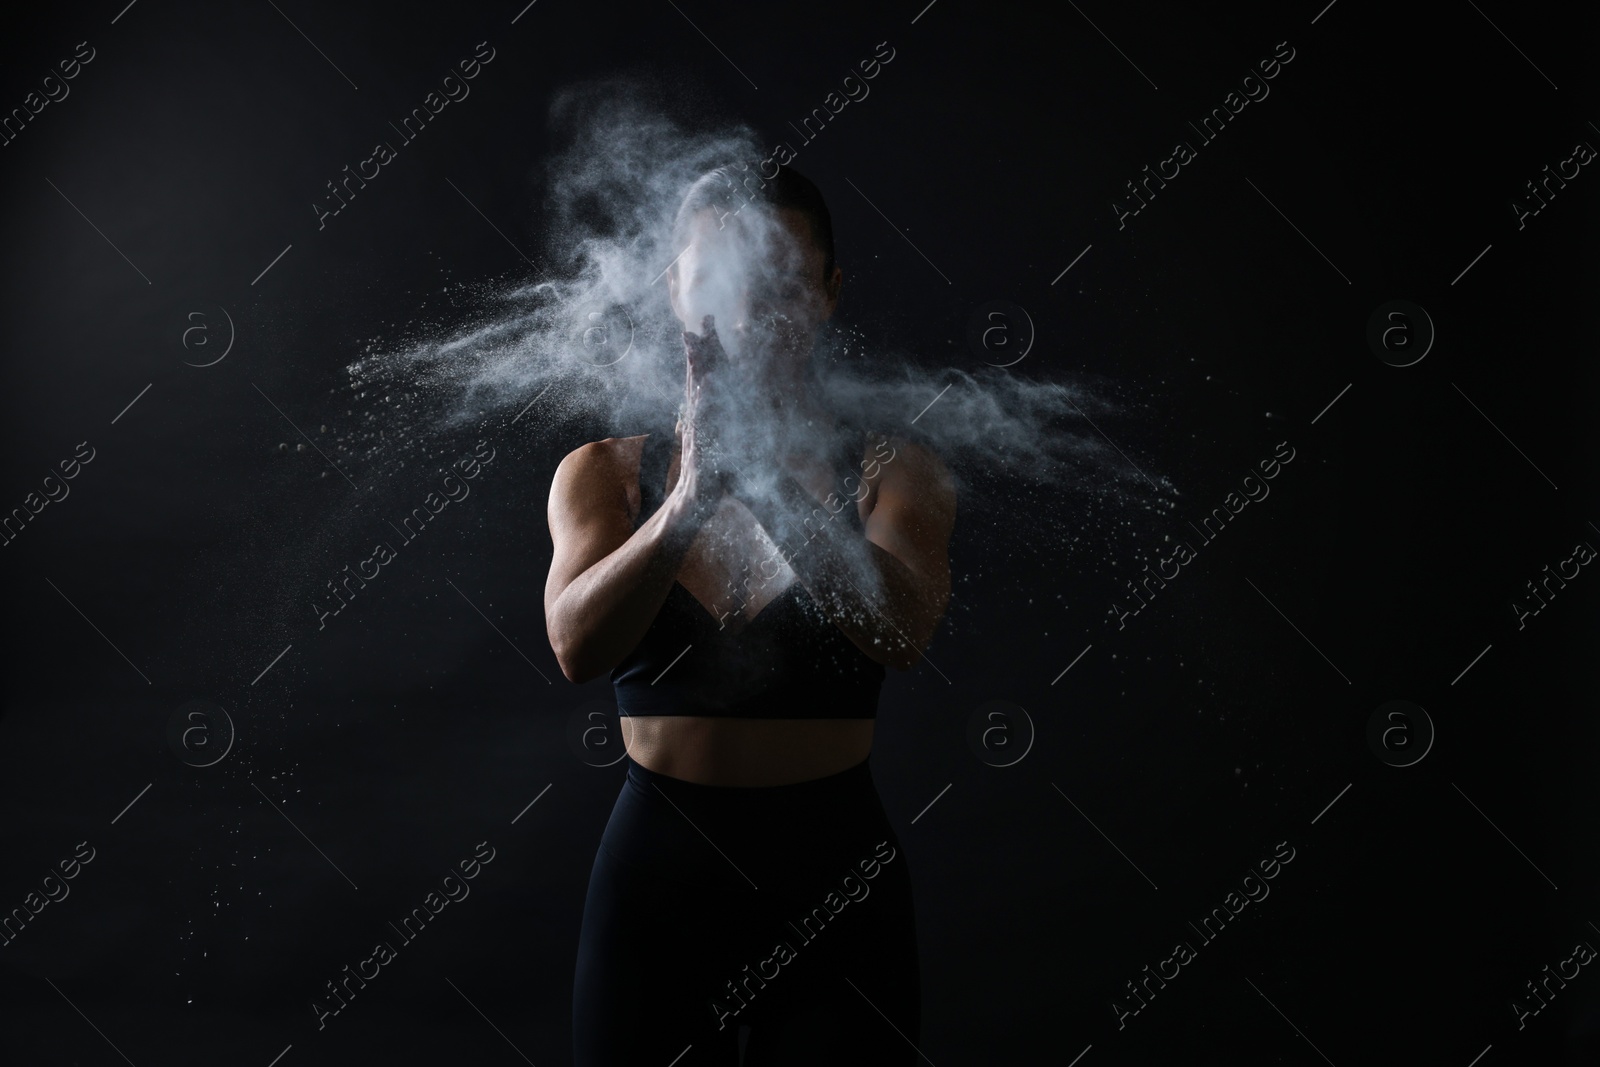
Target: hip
737, 838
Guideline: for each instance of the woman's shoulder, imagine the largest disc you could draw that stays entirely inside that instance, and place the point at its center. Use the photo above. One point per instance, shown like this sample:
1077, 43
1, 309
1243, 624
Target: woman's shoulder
894, 442
902, 458
606, 452
609, 463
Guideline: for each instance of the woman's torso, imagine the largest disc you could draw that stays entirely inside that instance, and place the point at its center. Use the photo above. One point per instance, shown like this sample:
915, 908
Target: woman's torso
732, 751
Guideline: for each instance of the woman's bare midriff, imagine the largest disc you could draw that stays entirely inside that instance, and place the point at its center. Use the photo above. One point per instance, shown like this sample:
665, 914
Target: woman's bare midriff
745, 752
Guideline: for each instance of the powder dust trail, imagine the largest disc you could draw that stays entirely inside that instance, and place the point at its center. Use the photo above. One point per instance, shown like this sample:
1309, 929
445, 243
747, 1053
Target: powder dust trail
590, 345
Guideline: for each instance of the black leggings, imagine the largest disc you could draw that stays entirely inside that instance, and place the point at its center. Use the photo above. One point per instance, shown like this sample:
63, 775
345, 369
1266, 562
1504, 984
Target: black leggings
785, 910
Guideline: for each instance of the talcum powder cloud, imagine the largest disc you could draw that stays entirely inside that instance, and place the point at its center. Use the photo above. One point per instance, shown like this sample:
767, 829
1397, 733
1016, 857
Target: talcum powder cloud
588, 343
592, 336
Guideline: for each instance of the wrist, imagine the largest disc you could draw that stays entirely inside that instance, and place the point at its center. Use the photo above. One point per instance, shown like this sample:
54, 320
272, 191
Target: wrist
684, 513
781, 504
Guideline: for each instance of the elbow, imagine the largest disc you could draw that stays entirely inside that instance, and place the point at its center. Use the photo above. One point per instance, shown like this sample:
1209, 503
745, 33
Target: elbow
575, 670
574, 659
577, 667
572, 670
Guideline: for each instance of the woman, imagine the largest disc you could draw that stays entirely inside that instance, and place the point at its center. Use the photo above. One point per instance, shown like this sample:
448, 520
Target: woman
746, 582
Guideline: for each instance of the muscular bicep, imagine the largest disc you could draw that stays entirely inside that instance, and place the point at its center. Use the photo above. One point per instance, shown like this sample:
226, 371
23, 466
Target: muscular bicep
913, 517
587, 513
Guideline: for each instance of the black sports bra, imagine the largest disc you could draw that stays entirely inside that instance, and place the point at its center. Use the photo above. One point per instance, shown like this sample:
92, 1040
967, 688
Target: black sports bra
788, 662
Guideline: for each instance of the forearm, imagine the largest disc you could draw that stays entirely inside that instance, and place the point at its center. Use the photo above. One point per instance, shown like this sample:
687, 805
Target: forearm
880, 604
602, 614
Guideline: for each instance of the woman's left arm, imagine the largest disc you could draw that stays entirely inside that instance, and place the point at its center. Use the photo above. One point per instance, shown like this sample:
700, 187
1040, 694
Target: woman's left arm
907, 537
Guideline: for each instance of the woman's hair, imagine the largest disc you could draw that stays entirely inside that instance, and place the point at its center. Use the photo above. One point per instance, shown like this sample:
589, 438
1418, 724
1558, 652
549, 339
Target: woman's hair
729, 189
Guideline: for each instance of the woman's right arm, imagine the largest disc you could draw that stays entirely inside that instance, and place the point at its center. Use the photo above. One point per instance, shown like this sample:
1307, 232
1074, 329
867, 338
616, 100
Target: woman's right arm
607, 580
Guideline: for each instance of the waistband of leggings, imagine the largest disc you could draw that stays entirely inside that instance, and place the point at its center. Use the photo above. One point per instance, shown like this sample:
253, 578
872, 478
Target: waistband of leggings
856, 780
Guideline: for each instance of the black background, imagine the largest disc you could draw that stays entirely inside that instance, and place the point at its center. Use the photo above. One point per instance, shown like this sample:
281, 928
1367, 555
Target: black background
1195, 739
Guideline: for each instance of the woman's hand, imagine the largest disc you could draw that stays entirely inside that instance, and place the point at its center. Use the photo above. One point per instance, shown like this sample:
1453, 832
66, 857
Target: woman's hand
704, 468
